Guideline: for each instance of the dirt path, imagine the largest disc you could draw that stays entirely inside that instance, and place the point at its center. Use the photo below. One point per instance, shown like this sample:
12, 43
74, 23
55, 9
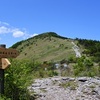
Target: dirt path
76, 49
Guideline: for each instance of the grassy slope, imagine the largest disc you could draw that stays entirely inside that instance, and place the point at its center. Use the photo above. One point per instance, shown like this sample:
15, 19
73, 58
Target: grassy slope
46, 47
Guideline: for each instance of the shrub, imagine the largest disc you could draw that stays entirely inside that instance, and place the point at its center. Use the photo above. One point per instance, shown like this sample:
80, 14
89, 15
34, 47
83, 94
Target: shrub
17, 78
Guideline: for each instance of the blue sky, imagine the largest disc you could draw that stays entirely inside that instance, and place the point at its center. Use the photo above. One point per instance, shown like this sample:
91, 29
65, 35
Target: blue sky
21, 19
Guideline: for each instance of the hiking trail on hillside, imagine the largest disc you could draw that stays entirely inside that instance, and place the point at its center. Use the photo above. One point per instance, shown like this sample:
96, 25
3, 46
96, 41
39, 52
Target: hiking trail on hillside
76, 49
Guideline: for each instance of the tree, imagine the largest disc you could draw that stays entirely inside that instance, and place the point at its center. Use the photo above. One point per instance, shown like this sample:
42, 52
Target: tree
88, 64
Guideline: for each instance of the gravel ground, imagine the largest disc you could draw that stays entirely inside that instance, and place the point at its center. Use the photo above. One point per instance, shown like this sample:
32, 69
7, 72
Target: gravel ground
66, 88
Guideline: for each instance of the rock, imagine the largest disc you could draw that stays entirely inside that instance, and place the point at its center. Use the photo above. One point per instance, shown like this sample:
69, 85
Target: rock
98, 96
94, 92
36, 85
71, 79
65, 78
82, 79
59, 88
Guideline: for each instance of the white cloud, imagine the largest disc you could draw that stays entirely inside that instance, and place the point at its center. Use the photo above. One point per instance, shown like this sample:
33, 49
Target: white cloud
15, 31
5, 28
32, 35
18, 33
26, 35
3, 23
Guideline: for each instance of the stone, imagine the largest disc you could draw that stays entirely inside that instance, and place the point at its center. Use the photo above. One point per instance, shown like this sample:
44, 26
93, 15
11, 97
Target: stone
36, 85
50, 89
82, 79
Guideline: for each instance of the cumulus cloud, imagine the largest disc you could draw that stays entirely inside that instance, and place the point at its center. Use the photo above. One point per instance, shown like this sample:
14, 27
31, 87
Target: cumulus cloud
32, 35
4, 29
16, 32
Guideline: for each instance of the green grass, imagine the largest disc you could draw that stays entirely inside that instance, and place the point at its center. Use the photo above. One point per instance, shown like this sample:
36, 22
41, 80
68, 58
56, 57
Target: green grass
45, 49
71, 84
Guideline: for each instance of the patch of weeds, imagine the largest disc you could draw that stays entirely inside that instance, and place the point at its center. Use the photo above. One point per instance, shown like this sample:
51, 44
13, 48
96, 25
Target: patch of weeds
92, 86
43, 90
71, 84
54, 82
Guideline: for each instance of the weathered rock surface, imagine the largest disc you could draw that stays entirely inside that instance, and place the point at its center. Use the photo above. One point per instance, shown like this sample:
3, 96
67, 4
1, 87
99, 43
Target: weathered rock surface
66, 88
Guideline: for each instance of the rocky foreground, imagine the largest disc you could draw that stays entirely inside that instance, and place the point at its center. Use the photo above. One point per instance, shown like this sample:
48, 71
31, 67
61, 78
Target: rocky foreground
66, 88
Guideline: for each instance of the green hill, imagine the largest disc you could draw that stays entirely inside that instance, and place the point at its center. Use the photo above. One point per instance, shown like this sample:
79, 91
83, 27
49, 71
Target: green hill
45, 47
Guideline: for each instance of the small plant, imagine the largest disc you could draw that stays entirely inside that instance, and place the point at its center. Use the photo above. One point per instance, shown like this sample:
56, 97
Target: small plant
71, 84
43, 90
92, 86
